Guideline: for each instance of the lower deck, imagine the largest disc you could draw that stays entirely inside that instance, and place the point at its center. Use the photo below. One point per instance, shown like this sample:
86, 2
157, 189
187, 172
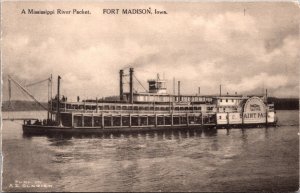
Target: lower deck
102, 122
135, 120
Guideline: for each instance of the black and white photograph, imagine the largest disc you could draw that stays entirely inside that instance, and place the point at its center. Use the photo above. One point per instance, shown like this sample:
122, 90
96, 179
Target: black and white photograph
150, 96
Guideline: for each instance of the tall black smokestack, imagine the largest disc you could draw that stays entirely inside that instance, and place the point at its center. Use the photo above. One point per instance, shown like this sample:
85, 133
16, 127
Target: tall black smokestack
131, 85
174, 86
220, 90
178, 88
121, 84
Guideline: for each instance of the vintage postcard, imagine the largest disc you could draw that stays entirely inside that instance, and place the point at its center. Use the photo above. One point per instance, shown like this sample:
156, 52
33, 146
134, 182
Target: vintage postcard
153, 96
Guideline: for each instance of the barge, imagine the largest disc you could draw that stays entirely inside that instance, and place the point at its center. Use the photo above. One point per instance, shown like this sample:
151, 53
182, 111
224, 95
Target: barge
152, 110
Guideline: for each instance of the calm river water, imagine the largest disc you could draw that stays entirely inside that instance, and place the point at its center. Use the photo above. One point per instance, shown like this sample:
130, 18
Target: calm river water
258, 159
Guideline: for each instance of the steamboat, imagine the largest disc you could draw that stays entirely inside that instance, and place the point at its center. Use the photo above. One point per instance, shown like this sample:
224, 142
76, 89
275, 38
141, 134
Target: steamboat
152, 110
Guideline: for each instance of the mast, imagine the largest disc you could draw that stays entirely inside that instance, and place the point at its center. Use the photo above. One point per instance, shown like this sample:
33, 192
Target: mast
51, 97
58, 101
266, 95
48, 112
9, 92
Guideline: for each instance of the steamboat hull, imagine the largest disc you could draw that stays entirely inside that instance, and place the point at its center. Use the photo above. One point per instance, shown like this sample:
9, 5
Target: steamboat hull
42, 129
251, 125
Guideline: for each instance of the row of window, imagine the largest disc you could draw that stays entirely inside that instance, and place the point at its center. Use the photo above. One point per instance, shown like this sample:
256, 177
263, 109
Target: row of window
232, 100
141, 108
232, 116
167, 98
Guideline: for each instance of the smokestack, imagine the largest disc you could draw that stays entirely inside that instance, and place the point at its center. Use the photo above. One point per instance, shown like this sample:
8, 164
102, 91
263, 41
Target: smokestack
220, 90
121, 84
235, 93
131, 85
178, 88
266, 95
174, 89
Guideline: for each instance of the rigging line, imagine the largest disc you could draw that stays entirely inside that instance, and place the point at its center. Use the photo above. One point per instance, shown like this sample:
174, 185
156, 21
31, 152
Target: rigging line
139, 82
28, 93
126, 81
28, 85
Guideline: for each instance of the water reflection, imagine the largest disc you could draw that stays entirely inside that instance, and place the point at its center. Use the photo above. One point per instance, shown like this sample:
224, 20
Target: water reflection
157, 135
266, 133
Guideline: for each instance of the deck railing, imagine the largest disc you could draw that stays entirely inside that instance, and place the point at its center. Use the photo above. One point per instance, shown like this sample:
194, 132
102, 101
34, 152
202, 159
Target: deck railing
132, 108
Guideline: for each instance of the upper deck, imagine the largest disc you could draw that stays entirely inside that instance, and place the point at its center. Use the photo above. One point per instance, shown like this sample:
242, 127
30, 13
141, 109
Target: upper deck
106, 107
156, 100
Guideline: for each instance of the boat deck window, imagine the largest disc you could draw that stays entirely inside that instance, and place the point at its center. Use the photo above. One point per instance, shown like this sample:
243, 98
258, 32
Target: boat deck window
209, 108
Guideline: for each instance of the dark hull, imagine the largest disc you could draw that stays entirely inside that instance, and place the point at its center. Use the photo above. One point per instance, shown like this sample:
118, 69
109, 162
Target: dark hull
252, 125
42, 129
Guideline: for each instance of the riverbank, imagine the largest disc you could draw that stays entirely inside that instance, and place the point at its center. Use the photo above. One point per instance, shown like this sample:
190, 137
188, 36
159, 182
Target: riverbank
22, 106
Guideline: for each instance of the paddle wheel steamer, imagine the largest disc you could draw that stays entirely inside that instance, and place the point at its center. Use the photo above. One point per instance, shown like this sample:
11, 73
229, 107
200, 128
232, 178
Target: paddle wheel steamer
153, 110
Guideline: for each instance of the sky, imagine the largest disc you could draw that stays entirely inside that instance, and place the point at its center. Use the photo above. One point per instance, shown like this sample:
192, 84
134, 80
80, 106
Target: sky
246, 47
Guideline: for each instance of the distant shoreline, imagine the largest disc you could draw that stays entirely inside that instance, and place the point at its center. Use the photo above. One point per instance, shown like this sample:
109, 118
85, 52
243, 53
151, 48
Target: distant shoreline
21, 106
279, 103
